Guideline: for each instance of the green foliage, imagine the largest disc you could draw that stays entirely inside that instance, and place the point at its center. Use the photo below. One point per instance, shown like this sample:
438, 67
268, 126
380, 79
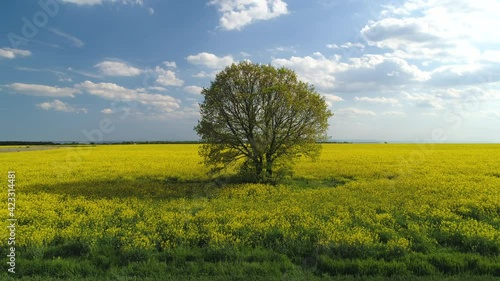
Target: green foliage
67, 250
259, 119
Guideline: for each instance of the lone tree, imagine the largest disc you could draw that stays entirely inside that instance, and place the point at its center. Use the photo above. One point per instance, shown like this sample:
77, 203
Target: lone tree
260, 119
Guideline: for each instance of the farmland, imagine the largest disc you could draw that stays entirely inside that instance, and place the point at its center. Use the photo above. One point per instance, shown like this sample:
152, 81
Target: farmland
150, 211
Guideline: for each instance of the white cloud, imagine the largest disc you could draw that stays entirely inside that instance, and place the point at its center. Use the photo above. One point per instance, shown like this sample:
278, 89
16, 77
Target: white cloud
42, 90
491, 56
111, 91
467, 94
396, 33
210, 60
237, 14
424, 100
332, 99
454, 18
383, 100
364, 73
58, 105
347, 45
151, 11
100, 2
167, 77
464, 74
384, 70
282, 49
318, 71
394, 113
74, 41
10, 53
244, 54
495, 115
443, 31
107, 111
319, 55
416, 38
159, 89
117, 68
170, 64
353, 112
193, 90
203, 74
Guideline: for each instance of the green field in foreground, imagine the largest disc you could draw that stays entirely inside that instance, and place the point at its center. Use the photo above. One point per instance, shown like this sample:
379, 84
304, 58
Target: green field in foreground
360, 212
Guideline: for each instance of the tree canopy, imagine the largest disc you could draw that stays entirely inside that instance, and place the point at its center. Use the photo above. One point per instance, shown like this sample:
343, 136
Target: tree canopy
260, 118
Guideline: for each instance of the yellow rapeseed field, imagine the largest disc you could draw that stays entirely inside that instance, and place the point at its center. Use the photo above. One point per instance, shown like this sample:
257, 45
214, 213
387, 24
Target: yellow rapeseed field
380, 202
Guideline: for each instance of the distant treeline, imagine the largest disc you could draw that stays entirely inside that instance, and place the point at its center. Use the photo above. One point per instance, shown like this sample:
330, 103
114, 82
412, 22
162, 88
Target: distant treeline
155, 142
110, 143
182, 142
337, 142
27, 143
10, 143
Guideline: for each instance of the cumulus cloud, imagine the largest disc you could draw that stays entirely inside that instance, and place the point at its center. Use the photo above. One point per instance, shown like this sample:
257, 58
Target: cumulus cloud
364, 73
354, 112
114, 92
10, 53
193, 90
107, 111
282, 49
203, 74
167, 77
393, 113
414, 38
465, 74
237, 14
424, 100
385, 70
58, 105
332, 99
494, 115
170, 64
395, 33
157, 88
346, 45
467, 93
210, 60
419, 47
42, 90
380, 100
318, 71
491, 56
117, 68
433, 30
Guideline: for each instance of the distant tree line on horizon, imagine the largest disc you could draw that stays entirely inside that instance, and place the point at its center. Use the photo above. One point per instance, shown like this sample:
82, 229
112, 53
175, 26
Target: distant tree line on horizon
6, 143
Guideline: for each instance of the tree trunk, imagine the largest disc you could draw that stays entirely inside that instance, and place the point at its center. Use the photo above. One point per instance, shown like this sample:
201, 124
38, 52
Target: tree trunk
259, 167
269, 168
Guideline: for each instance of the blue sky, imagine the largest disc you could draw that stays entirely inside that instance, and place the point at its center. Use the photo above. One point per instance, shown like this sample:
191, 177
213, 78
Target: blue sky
113, 70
